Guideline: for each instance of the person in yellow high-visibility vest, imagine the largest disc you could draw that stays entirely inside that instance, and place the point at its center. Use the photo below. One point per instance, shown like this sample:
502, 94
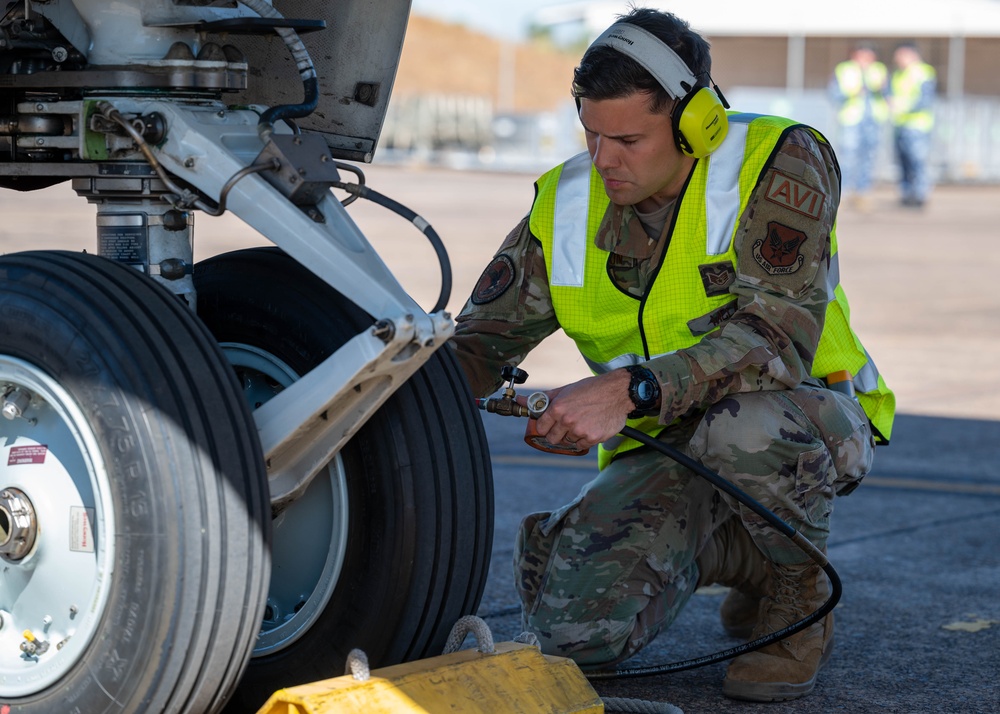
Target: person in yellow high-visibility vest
691, 254
858, 88
912, 94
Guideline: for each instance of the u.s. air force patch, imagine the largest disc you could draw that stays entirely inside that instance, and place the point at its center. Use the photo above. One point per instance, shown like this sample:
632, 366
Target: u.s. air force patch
778, 254
494, 281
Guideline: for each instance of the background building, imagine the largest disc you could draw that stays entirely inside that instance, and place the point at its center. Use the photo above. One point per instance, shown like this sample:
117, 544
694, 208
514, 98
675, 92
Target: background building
773, 56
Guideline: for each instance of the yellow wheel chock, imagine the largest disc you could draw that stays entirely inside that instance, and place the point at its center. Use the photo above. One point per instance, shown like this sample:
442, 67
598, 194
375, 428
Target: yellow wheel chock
507, 677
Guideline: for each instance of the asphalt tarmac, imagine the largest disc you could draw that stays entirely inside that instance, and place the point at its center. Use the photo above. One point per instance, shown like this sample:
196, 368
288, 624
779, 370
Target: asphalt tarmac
918, 626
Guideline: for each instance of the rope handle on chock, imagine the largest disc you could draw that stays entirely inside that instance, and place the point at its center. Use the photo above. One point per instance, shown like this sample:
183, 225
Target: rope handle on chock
357, 665
478, 627
357, 661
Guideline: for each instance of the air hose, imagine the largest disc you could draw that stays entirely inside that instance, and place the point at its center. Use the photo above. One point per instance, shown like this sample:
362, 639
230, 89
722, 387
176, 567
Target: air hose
536, 405
814, 553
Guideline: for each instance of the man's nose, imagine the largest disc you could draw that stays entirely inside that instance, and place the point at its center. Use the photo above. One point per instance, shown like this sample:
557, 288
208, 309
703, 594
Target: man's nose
603, 154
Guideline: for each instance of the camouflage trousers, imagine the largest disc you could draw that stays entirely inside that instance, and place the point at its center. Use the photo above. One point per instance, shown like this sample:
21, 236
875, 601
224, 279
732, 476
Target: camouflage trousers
600, 577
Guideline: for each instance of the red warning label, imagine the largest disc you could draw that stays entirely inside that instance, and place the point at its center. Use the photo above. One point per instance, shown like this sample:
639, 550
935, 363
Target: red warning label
34, 454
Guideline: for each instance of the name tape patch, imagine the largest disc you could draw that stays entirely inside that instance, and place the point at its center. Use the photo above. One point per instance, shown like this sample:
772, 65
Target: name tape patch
795, 195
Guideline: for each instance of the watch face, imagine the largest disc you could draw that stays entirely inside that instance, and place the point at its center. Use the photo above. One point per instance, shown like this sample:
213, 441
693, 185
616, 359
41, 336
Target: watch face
643, 390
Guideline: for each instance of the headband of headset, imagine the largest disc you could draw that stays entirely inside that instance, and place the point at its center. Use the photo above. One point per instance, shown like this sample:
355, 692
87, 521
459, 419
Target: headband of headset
652, 53
699, 117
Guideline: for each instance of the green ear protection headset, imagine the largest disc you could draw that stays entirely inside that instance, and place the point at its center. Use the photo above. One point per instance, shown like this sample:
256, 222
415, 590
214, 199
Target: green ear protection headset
699, 117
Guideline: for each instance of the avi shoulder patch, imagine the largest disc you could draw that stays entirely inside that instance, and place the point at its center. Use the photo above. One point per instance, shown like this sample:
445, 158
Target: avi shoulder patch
498, 276
778, 253
795, 195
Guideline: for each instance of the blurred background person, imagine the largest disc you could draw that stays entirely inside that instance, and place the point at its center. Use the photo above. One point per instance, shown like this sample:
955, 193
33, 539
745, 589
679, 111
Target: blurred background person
912, 91
858, 88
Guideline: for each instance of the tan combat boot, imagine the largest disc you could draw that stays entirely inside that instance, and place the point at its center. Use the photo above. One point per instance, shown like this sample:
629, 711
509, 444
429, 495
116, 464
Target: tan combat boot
731, 558
786, 669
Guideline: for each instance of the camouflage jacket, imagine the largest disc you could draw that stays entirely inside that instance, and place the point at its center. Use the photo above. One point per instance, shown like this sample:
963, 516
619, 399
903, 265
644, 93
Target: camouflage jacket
767, 343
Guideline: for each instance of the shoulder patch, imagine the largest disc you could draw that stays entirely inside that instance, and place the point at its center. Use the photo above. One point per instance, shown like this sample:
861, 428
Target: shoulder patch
498, 276
778, 254
795, 196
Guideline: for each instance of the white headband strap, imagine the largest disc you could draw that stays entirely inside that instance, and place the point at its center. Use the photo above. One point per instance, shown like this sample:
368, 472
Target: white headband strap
653, 54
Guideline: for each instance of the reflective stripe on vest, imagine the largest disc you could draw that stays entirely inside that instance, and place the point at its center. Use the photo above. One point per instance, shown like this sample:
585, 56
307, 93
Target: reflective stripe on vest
722, 194
572, 209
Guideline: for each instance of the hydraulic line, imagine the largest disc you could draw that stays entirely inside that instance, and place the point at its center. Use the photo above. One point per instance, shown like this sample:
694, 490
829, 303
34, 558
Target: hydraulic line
362, 191
303, 62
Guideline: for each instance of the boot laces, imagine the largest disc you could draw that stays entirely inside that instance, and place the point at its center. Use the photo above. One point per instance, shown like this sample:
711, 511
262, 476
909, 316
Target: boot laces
785, 600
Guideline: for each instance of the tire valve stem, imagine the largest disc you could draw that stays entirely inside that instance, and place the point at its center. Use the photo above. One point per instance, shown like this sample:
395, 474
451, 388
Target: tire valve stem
32, 646
15, 402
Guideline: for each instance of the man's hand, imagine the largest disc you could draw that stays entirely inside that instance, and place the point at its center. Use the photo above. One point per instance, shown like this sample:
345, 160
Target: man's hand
587, 412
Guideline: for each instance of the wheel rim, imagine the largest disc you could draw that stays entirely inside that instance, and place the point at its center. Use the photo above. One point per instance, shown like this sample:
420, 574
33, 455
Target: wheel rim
305, 564
53, 593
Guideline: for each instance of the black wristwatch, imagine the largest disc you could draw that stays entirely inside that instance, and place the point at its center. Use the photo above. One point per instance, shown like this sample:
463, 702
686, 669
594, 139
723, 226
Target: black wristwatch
643, 390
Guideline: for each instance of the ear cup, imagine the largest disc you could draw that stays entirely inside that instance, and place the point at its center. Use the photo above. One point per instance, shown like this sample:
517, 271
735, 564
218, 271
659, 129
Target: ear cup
700, 122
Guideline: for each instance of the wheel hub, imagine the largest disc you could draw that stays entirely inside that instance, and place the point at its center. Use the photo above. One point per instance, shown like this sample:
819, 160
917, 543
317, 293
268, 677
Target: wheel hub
18, 526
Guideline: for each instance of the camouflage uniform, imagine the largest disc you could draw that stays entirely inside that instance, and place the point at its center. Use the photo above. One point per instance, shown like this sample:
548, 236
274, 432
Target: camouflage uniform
601, 576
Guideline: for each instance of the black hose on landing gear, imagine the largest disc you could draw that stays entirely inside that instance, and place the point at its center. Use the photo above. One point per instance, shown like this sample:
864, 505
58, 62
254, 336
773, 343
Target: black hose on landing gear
363, 191
814, 553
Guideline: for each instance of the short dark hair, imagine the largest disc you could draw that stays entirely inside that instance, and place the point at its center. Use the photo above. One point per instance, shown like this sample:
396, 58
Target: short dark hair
605, 73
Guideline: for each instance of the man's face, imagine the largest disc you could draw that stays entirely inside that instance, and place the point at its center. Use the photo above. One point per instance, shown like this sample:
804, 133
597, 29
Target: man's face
634, 151
864, 57
904, 57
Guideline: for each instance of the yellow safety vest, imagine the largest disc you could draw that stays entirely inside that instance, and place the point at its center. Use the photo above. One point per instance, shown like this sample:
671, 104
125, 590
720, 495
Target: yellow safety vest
856, 83
907, 87
612, 329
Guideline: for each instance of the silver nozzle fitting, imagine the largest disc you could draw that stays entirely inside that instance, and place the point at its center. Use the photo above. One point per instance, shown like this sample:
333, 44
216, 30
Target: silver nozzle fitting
538, 402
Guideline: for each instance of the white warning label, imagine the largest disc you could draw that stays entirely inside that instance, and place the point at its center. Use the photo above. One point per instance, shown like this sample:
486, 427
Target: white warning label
81, 534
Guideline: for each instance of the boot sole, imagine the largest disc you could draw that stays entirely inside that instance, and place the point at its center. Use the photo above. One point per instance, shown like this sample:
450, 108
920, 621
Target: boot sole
774, 691
767, 691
